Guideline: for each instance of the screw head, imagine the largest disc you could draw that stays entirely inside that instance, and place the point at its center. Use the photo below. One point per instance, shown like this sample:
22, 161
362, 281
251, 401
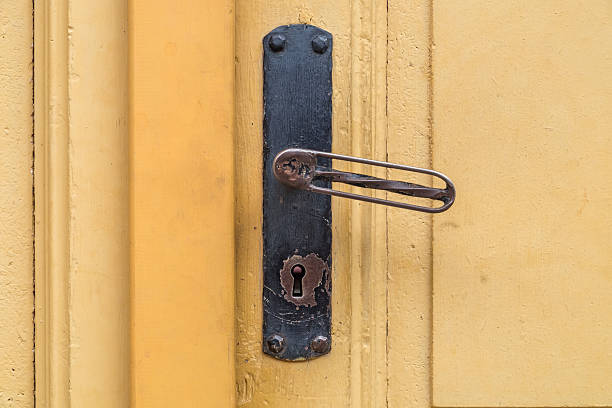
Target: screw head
320, 44
320, 344
277, 42
276, 343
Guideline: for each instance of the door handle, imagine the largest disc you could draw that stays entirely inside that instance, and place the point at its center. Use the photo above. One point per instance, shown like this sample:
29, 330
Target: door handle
298, 168
297, 185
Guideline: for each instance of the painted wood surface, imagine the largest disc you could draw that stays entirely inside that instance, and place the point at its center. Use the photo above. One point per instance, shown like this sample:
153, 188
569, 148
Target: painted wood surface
182, 203
522, 263
81, 196
16, 206
513, 105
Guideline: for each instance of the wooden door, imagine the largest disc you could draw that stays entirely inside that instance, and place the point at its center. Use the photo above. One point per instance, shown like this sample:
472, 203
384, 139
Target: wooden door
522, 266
501, 301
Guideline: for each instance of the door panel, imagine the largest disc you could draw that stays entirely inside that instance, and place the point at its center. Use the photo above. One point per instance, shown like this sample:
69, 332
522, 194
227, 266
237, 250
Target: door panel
522, 263
182, 203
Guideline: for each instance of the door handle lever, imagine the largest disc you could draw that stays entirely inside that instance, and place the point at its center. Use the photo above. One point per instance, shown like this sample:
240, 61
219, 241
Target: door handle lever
299, 169
296, 224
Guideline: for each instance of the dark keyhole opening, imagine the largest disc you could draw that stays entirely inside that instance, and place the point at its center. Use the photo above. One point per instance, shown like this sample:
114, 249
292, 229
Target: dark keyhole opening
298, 272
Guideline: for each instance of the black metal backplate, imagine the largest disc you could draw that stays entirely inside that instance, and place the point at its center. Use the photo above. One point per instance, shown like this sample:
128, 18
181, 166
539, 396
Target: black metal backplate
297, 97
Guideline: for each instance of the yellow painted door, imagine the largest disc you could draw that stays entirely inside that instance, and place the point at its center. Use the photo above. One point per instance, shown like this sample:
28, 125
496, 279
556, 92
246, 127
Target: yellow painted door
522, 266
504, 300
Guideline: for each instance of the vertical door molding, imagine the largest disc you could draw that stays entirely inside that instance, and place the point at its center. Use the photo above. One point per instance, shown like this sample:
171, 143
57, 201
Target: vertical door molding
182, 203
81, 204
367, 238
409, 239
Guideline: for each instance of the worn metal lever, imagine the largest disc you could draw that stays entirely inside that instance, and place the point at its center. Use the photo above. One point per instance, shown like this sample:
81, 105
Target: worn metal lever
297, 168
297, 226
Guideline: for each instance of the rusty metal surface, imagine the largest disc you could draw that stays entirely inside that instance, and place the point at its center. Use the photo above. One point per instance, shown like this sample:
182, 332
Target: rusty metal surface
295, 170
297, 233
314, 269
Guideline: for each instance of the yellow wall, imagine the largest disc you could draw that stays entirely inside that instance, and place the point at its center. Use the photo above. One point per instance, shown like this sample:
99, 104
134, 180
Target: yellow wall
16, 290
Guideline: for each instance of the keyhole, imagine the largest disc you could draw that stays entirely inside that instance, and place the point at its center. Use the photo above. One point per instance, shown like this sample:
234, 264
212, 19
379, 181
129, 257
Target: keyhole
298, 272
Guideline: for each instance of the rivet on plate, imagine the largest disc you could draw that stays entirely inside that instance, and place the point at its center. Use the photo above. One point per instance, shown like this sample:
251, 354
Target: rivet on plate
277, 42
320, 44
276, 343
320, 344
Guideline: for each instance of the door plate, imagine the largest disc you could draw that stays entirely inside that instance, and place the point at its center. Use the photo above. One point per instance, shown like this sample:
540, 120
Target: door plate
297, 235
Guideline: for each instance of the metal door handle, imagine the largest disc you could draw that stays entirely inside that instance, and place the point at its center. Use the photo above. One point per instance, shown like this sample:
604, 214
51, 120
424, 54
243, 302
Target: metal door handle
296, 224
298, 168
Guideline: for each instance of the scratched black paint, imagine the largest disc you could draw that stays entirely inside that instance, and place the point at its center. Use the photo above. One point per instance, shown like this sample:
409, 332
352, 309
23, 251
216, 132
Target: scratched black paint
297, 97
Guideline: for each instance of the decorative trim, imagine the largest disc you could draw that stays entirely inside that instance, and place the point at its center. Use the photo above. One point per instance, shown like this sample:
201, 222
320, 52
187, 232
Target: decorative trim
51, 211
81, 204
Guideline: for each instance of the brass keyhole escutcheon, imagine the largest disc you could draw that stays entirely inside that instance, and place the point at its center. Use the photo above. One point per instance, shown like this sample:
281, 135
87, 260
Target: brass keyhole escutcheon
298, 272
